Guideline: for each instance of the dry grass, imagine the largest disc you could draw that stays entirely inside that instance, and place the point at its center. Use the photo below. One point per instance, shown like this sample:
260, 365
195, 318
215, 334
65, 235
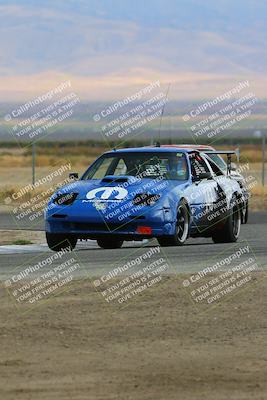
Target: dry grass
16, 161
259, 198
8, 237
46, 156
253, 154
84, 155
15, 167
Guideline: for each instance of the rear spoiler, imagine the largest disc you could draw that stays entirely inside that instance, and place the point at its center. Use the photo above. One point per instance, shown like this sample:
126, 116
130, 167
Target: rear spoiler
228, 153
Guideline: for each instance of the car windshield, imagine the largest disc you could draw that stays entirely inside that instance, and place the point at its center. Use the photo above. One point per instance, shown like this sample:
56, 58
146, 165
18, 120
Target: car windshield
140, 164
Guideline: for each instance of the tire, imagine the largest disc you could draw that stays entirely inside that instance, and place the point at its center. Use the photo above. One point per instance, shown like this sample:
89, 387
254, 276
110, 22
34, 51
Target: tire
108, 243
231, 229
181, 230
58, 241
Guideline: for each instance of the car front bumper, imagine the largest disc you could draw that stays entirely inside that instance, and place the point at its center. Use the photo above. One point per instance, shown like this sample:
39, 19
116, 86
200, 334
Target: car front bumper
87, 222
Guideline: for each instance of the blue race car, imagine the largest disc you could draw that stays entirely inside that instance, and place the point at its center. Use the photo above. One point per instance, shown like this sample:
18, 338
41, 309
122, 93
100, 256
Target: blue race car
150, 192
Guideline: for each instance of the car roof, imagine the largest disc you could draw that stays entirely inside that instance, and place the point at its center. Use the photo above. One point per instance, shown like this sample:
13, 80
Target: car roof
183, 148
190, 146
150, 149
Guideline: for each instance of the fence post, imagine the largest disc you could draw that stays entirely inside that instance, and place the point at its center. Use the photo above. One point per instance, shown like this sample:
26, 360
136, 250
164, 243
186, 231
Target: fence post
263, 157
33, 163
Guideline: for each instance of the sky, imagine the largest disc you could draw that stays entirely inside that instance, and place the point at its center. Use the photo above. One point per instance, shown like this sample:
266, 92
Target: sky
110, 48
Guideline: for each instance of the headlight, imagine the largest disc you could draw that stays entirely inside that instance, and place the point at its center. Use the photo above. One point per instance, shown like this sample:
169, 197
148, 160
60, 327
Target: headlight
65, 199
145, 199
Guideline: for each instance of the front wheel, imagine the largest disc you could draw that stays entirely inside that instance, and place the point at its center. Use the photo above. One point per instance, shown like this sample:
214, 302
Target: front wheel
181, 229
58, 241
108, 243
231, 229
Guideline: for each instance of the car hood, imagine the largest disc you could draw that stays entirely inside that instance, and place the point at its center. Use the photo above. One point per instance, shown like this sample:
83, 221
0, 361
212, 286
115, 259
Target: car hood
121, 188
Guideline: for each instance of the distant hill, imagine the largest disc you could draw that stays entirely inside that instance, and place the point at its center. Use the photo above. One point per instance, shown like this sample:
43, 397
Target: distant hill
105, 46
81, 125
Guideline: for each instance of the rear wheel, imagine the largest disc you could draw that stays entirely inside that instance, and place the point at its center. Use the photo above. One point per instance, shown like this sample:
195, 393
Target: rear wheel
231, 229
181, 229
108, 243
58, 241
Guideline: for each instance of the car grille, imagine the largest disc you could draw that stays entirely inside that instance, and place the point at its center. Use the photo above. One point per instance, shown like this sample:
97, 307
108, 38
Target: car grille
81, 226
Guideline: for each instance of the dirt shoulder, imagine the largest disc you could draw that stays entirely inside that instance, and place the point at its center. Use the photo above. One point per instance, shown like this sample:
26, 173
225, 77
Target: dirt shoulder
16, 236
159, 347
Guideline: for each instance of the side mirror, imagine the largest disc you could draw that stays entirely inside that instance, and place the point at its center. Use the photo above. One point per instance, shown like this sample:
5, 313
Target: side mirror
233, 167
74, 175
204, 175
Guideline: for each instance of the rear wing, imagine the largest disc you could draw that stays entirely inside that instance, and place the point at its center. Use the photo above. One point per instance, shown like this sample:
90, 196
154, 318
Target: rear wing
228, 153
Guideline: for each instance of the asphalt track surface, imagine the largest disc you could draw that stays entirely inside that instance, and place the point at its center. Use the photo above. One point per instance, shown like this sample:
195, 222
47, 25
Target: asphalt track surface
93, 261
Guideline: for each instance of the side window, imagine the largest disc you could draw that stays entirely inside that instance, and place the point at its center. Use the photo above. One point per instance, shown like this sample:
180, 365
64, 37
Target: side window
198, 165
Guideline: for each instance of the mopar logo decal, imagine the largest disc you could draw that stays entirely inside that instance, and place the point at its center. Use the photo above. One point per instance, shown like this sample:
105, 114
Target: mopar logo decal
117, 193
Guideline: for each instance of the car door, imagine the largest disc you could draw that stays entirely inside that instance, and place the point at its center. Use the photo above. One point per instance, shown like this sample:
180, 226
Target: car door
228, 186
203, 193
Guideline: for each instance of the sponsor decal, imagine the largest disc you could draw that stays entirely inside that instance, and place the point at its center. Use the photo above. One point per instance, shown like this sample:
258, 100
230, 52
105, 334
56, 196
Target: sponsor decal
107, 193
